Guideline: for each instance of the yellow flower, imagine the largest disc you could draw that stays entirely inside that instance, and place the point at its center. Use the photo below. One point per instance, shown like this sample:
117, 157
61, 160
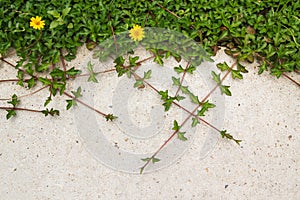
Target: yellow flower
137, 33
37, 23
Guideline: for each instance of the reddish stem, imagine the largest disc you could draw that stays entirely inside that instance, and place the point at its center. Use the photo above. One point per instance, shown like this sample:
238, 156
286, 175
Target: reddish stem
88, 106
24, 109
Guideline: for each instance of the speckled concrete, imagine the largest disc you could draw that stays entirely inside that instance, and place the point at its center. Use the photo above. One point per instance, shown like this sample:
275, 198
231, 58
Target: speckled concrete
44, 158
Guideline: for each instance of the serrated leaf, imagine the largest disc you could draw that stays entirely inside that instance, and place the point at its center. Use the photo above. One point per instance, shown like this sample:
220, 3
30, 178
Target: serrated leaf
44, 81
163, 94
236, 74
70, 103
51, 112
31, 83
47, 101
176, 127
179, 69
191, 69
184, 89
110, 117
194, 98
14, 100
57, 73
132, 60
176, 81
179, 98
147, 75
168, 104
195, 121
181, 136
119, 60
216, 77
10, 113
225, 90
154, 160
77, 93
242, 68
158, 60
223, 66
146, 159
92, 76
204, 107
73, 72
138, 83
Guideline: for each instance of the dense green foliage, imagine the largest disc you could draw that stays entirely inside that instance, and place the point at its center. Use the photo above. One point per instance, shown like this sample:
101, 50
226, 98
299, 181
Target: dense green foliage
268, 29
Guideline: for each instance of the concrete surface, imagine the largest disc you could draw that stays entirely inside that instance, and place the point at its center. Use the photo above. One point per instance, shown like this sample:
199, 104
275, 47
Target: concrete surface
45, 158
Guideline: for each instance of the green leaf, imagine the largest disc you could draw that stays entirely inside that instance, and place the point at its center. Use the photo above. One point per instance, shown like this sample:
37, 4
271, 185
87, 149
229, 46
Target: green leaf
54, 13
181, 136
176, 127
77, 93
204, 107
10, 113
110, 117
224, 134
225, 90
154, 160
70, 103
73, 72
57, 73
185, 89
65, 12
51, 112
168, 104
138, 83
119, 60
164, 95
14, 101
216, 77
158, 60
242, 68
263, 67
31, 82
195, 122
54, 24
70, 25
93, 75
47, 101
176, 81
179, 98
147, 75
45, 81
191, 69
236, 74
276, 72
194, 98
179, 69
132, 61
146, 159
223, 66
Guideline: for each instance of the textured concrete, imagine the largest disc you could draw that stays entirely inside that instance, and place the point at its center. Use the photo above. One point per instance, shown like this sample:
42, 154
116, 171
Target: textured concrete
45, 158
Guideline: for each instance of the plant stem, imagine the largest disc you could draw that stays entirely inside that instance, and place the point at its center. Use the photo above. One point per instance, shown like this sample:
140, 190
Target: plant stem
24, 109
182, 78
62, 59
172, 13
271, 66
190, 115
86, 105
